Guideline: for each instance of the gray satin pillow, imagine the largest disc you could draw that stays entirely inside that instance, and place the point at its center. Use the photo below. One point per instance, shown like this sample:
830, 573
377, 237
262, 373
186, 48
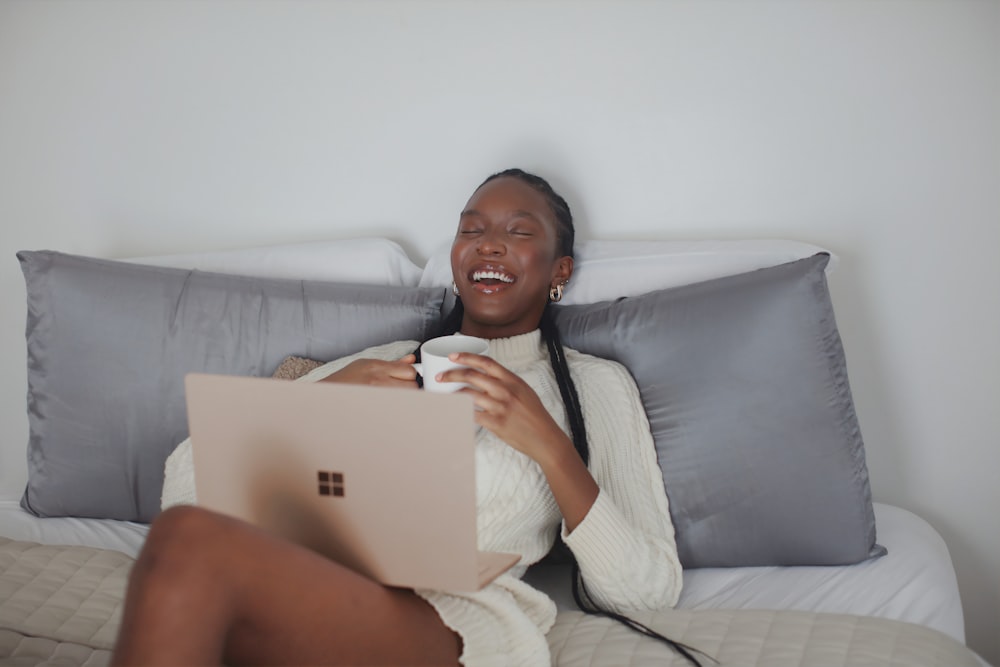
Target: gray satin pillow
745, 385
109, 344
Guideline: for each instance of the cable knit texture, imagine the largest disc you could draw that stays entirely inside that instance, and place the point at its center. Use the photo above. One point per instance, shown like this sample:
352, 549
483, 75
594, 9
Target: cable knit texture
625, 544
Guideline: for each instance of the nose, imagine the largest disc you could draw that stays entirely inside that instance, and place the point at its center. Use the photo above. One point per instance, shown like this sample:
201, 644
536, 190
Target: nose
491, 243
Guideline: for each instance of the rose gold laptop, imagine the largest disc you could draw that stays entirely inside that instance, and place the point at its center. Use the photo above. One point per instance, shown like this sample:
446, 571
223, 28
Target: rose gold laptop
380, 480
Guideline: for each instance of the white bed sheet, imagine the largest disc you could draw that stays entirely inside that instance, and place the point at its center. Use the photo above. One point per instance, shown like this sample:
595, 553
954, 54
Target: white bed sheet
17, 524
915, 582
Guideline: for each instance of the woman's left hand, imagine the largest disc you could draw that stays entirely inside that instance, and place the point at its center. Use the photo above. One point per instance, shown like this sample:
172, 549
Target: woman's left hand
508, 407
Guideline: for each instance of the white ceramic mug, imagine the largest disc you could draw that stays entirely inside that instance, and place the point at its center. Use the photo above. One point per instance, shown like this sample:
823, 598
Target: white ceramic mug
434, 359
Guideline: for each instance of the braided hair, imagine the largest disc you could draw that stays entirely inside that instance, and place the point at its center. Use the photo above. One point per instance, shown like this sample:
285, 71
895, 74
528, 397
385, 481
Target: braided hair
567, 389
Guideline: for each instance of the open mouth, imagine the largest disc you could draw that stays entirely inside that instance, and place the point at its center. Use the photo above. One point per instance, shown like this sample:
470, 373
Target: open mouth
489, 281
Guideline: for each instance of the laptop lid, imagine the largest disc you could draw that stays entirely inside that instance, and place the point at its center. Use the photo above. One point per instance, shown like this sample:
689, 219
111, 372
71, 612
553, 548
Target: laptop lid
381, 480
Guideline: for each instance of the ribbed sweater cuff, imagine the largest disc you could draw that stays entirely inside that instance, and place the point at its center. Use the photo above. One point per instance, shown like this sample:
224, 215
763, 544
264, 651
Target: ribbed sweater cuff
601, 540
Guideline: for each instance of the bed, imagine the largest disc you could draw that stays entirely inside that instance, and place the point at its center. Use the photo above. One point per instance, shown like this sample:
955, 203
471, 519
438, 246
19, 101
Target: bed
787, 559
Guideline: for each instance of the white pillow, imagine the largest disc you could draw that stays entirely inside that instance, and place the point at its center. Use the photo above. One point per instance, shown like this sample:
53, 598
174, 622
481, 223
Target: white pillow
373, 261
610, 269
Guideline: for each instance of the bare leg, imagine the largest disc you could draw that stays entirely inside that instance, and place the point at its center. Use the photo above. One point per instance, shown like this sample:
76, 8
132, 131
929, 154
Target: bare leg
207, 589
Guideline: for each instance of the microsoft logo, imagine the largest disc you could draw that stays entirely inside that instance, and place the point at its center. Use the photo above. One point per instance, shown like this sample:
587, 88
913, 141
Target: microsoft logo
331, 483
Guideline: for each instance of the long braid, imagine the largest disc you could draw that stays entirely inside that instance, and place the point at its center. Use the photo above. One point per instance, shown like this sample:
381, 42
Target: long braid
578, 433
453, 322
567, 388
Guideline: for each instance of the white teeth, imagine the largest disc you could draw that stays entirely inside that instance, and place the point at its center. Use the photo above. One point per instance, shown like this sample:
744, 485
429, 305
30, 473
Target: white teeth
491, 275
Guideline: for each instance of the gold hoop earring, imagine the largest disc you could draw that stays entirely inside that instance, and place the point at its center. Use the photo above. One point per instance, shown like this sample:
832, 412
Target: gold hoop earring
556, 293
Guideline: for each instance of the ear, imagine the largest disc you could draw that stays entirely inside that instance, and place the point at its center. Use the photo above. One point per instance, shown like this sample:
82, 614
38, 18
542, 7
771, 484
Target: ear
562, 271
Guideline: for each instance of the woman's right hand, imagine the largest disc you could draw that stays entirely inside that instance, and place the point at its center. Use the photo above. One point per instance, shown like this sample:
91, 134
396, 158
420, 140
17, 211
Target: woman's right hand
400, 373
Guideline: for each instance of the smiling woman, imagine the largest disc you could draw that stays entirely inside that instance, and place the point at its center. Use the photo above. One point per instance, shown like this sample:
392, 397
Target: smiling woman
510, 252
564, 447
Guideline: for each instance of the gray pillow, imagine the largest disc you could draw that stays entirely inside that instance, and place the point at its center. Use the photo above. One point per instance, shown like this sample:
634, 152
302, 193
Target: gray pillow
109, 344
745, 385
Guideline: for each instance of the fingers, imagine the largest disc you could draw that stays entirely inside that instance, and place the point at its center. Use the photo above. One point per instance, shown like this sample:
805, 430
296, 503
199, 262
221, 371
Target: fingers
402, 369
481, 372
478, 380
481, 367
379, 373
496, 395
479, 362
394, 382
506, 406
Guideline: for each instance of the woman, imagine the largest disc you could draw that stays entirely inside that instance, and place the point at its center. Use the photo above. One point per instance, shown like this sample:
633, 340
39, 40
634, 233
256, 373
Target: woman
210, 589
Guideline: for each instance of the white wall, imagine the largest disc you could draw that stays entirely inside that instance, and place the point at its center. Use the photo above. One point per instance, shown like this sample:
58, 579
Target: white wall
869, 127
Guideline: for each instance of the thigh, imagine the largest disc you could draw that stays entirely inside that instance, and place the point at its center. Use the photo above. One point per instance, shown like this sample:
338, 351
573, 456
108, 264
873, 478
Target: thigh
293, 606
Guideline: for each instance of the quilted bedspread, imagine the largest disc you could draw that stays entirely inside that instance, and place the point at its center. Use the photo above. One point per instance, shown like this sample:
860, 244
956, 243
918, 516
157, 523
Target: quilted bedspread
62, 606
59, 605
756, 638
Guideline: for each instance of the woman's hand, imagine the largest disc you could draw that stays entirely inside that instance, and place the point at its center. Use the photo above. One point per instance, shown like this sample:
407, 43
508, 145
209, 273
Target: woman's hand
507, 406
378, 373
511, 409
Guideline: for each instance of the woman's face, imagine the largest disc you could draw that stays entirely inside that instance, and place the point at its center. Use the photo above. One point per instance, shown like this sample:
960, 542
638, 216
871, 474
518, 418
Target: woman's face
504, 259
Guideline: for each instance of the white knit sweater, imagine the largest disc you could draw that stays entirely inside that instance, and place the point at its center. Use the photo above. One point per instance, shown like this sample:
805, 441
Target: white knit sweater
625, 544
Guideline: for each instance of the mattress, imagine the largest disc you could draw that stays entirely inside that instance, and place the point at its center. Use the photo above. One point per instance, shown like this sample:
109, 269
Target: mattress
755, 638
62, 605
915, 582
122, 536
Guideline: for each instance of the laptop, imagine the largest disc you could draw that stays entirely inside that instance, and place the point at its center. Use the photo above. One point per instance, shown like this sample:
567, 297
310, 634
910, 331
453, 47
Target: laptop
381, 480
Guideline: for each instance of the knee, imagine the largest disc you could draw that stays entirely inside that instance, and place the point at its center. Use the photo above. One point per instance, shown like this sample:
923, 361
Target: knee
181, 569
184, 528
183, 541
184, 522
